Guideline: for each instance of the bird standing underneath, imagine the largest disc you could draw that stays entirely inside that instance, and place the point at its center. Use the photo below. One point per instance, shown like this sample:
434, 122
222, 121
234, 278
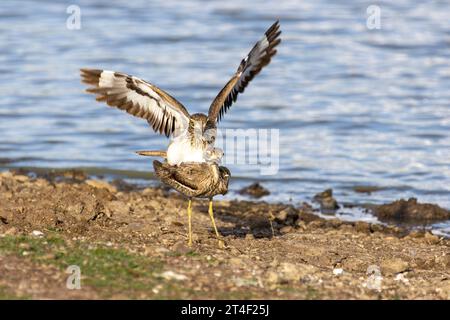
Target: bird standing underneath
195, 180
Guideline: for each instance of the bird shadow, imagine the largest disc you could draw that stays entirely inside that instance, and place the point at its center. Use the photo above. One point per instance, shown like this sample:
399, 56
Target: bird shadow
247, 218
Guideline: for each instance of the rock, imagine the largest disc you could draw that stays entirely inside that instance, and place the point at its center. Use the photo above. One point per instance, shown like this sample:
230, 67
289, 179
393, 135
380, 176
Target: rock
411, 210
281, 216
160, 250
170, 275
366, 189
394, 266
354, 264
362, 226
37, 233
254, 190
431, 238
316, 224
236, 262
65, 175
338, 271
334, 223
11, 231
444, 260
289, 272
346, 227
288, 213
249, 237
328, 205
21, 178
4, 220
414, 234
272, 277
300, 224
181, 247
401, 277
122, 185
101, 185
286, 229
376, 227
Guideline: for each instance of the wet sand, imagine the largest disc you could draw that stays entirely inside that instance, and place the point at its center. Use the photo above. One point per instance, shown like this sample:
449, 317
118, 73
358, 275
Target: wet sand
131, 243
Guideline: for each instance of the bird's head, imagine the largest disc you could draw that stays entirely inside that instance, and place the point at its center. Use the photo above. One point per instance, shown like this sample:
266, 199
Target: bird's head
199, 121
204, 127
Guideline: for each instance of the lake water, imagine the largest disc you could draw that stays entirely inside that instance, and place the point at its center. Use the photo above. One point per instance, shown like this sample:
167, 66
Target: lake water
355, 106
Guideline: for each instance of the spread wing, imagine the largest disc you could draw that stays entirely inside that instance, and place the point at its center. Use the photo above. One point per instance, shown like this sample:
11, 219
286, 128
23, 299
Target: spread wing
139, 98
250, 66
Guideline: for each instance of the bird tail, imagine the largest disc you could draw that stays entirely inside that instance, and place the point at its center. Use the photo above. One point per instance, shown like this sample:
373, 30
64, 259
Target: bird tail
149, 153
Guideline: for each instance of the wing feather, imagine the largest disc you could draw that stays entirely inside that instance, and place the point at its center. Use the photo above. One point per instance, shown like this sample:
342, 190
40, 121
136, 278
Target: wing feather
250, 66
137, 97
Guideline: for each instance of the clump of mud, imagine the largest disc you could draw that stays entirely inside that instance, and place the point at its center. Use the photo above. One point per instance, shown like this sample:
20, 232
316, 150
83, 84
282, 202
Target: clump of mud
410, 210
255, 190
328, 204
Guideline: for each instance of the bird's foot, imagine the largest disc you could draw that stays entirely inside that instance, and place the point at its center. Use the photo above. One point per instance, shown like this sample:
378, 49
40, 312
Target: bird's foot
221, 244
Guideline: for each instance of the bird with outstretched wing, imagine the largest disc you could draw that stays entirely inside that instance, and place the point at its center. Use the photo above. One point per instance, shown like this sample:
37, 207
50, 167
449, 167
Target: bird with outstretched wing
168, 116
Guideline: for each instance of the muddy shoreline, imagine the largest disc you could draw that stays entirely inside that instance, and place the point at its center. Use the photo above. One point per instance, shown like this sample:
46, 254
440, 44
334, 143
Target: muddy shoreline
307, 257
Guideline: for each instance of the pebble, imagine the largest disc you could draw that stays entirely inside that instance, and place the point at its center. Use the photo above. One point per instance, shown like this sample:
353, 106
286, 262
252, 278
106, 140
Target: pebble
415, 234
170, 275
181, 247
21, 178
37, 233
286, 229
394, 266
249, 236
11, 231
335, 222
236, 262
375, 227
338, 271
254, 190
401, 277
362, 226
289, 271
162, 250
301, 224
281, 216
101, 185
316, 224
6, 174
431, 238
272, 277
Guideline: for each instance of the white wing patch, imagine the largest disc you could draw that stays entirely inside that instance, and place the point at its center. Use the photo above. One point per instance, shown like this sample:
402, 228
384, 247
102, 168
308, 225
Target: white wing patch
163, 112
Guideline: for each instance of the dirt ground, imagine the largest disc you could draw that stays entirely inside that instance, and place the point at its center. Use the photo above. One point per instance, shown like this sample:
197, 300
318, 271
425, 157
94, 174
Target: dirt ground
132, 243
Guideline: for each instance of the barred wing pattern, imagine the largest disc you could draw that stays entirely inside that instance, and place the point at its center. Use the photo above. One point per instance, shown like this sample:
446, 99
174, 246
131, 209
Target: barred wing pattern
139, 98
250, 66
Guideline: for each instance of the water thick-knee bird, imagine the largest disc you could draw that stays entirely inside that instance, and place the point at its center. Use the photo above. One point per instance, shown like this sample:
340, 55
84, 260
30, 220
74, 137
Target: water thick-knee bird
192, 134
195, 180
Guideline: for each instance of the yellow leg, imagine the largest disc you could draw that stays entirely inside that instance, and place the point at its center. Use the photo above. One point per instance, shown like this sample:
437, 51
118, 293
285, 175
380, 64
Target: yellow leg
189, 223
211, 215
271, 218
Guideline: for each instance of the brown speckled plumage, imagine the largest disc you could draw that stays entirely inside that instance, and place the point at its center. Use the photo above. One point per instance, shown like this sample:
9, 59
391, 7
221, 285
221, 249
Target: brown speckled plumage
194, 180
